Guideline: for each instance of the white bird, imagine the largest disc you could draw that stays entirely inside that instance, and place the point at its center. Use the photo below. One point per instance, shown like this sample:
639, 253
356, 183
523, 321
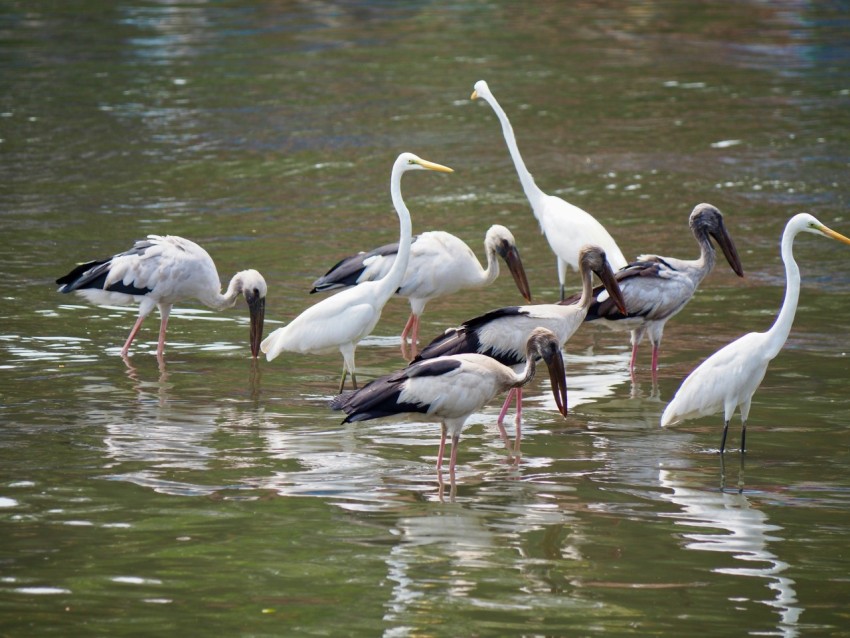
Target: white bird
729, 378
656, 288
453, 387
341, 321
502, 334
440, 264
567, 227
161, 271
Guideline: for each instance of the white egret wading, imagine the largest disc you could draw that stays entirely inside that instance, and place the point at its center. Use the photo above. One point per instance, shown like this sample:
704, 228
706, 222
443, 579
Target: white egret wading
161, 271
341, 321
452, 388
728, 379
656, 288
440, 264
567, 227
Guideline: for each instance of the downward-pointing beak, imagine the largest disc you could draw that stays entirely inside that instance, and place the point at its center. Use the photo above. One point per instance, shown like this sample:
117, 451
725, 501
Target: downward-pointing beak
514, 263
606, 276
724, 240
257, 309
558, 379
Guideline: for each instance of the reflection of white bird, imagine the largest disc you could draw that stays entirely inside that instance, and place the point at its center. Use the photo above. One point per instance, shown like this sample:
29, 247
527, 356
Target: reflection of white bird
567, 227
656, 288
730, 377
160, 271
440, 264
454, 387
502, 333
341, 321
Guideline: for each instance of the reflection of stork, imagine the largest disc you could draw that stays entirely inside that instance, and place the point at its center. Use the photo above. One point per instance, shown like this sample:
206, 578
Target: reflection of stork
159, 272
440, 264
727, 523
730, 377
567, 227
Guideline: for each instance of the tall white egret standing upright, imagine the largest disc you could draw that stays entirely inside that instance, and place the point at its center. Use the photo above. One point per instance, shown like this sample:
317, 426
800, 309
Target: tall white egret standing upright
341, 321
656, 288
729, 378
160, 271
502, 333
440, 264
567, 227
453, 387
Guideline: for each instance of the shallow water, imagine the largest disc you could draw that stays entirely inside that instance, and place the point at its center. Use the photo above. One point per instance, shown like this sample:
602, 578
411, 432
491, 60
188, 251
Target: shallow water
214, 495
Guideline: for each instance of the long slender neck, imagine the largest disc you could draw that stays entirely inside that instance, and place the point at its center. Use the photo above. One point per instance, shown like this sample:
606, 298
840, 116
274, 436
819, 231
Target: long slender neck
707, 256
219, 301
390, 283
488, 276
527, 373
586, 289
532, 192
781, 328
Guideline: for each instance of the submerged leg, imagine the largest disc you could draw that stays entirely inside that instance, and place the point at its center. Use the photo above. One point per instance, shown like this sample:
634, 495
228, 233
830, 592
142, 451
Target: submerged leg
506, 405
164, 312
743, 437
655, 357
453, 459
442, 447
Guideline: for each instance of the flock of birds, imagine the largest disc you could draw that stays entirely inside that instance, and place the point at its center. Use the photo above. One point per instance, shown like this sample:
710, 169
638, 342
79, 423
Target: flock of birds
463, 369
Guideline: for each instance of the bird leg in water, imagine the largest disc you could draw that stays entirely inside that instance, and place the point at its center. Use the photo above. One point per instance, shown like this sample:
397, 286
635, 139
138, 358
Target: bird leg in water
453, 458
344, 376
654, 358
442, 448
743, 437
723, 439
132, 336
410, 328
164, 312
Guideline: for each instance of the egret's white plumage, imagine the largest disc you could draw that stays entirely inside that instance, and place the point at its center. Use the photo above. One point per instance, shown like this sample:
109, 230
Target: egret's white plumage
656, 288
440, 264
567, 227
453, 387
341, 321
728, 379
161, 271
503, 333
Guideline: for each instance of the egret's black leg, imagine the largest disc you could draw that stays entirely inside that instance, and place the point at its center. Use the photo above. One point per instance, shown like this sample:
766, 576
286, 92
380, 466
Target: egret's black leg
723, 440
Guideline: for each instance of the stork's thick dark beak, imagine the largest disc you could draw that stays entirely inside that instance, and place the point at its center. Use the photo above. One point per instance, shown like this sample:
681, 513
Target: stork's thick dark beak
511, 256
606, 276
724, 240
257, 309
558, 379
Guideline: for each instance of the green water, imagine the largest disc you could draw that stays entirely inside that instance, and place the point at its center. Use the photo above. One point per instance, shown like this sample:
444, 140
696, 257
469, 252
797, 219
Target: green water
215, 496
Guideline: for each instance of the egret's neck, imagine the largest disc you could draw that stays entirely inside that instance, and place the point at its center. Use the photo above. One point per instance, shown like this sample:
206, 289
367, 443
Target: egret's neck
393, 279
532, 192
781, 328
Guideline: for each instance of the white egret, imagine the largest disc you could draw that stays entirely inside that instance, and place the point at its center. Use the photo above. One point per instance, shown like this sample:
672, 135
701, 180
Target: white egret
656, 288
567, 227
341, 321
728, 379
440, 264
453, 387
503, 333
161, 271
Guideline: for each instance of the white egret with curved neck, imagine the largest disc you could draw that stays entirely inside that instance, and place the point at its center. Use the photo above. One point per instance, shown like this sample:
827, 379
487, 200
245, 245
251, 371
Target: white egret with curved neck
342, 321
567, 227
440, 264
160, 271
728, 379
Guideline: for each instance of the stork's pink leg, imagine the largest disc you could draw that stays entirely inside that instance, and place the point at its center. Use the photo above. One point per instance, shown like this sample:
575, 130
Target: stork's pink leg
442, 449
505, 406
164, 311
654, 358
408, 326
518, 419
453, 458
132, 336
634, 358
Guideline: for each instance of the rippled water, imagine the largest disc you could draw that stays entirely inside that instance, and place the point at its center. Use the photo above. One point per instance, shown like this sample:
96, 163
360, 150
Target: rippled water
213, 495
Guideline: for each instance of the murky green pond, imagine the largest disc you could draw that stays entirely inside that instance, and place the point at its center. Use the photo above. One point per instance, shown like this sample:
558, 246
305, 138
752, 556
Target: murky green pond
216, 496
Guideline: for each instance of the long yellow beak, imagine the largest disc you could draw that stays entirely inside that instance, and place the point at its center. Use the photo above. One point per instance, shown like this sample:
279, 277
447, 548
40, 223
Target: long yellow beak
832, 234
431, 166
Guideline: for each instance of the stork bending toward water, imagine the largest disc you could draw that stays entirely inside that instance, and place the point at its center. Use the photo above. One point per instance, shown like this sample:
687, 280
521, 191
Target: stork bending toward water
341, 321
502, 333
567, 227
453, 387
440, 264
729, 378
159, 272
